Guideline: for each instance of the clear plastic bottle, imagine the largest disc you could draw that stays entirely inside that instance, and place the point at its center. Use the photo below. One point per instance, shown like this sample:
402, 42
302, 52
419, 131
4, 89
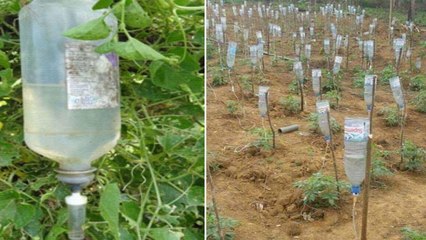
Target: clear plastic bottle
298, 70
230, 57
322, 108
337, 63
327, 46
53, 126
355, 140
263, 108
253, 55
316, 84
219, 33
368, 91
397, 91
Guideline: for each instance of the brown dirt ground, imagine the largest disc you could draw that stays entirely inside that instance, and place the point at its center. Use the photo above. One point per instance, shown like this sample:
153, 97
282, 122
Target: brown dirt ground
256, 188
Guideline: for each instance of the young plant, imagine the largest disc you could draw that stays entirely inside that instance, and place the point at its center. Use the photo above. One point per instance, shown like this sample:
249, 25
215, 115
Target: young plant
414, 156
232, 107
290, 104
418, 83
294, 87
420, 101
379, 169
264, 138
358, 80
320, 190
387, 73
333, 97
227, 226
314, 127
332, 82
218, 78
391, 116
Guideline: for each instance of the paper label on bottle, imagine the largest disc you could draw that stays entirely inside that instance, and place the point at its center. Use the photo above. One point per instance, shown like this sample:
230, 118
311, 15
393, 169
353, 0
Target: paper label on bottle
92, 78
355, 131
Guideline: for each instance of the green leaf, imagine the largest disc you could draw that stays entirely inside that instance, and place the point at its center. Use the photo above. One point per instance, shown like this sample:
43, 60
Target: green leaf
4, 60
165, 234
109, 206
6, 82
196, 196
168, 77
170, 141
92, 30
136, 17
7, 211
24, 215
55, 232
133, 49
130, 211
102, 4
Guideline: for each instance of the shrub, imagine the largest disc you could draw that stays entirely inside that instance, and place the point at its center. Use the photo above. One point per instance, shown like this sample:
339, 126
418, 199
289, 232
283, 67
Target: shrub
314, 126
419, 101
414, 156
333, 97
418, 83
290, 104
391, 116
320, 190
232, 107
387, 73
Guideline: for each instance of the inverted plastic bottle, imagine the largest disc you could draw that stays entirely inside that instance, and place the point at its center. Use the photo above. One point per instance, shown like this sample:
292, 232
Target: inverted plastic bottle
253, 55
70, 93
337, 63
263, 108
322, 108
230, 56
397, 92
355, 140
368, 91
316, 81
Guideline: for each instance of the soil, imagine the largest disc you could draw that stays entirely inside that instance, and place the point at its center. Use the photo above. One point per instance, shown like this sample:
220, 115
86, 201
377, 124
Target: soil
255, 186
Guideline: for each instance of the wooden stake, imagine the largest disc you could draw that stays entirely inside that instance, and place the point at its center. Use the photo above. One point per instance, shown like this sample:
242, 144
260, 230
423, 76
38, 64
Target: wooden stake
366, 190
216, 212
269, 120
332, 152
302, 99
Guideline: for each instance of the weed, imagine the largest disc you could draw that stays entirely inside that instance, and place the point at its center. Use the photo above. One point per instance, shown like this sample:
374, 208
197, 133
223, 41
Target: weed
419, 101
410, 234
418, 83
320, 190
414, 156
232, 107
391, 116
387, 73
333, 97
314, 127
290, 104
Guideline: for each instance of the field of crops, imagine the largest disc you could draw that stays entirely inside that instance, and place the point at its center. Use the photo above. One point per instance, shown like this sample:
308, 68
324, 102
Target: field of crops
288, 191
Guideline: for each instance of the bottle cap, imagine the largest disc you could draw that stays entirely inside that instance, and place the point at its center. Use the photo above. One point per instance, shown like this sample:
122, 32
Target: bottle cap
356, 190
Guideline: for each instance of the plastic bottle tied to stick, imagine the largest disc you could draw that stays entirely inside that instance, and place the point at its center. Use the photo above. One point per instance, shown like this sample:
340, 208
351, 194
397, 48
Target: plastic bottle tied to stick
219, 33
298, 70
368, 91
397, 92
230, 56
355, 141
253, 55
327, 46
316, 84
323, 107
263, 104
337, 64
